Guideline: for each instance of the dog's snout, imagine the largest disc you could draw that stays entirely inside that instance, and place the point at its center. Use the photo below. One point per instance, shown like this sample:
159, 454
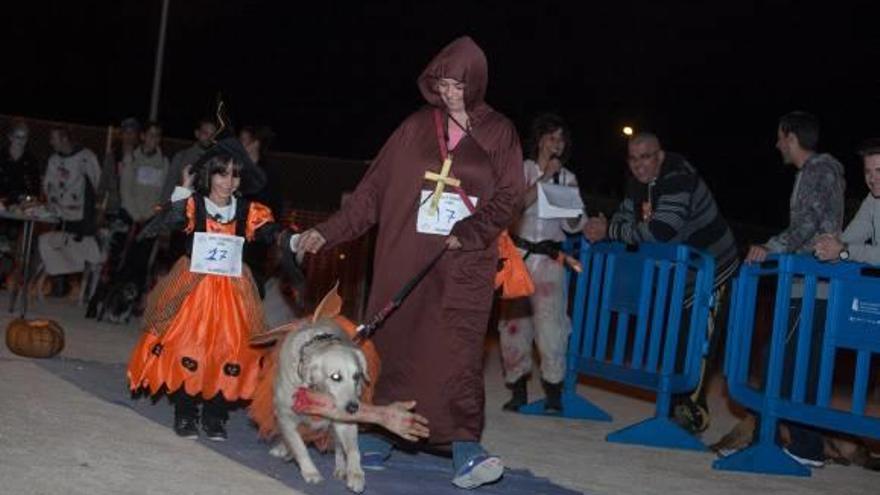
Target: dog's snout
352, 407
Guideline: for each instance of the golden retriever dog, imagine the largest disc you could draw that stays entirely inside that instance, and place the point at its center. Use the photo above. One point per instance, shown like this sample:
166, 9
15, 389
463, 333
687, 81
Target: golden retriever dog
320, 356
317, 355
316, 386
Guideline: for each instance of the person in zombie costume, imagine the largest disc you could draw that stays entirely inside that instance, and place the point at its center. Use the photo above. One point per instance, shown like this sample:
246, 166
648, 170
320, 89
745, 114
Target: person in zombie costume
197, 325
540, 318
432, 346
69, 185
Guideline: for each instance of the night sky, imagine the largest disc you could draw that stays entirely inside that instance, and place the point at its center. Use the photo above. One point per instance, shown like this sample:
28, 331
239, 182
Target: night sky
332, 78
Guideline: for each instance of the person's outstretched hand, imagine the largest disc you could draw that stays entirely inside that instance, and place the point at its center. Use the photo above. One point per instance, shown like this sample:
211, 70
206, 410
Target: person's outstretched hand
399, 419
311, 241
396, 417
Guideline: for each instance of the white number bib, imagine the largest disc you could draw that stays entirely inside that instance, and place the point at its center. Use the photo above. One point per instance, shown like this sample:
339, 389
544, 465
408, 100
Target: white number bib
450, 210
216, 254
149, 176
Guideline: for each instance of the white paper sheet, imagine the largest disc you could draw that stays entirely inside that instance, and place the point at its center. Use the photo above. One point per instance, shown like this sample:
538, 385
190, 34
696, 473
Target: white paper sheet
555, 201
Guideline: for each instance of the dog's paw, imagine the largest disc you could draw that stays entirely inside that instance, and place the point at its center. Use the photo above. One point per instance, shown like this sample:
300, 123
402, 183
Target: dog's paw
340, 473
312, 477
355, 480
280, 451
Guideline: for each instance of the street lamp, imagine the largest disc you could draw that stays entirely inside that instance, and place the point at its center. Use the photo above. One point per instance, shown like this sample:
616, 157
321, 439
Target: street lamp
627, 131
160, 55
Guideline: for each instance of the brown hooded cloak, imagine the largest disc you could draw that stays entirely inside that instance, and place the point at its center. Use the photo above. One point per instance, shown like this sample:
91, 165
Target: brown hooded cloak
432, 346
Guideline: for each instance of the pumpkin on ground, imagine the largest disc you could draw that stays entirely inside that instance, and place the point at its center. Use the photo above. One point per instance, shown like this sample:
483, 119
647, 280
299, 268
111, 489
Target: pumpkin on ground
34, 338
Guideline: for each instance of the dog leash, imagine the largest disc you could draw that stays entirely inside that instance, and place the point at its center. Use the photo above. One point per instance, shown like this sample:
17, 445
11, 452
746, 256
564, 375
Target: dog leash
366, 330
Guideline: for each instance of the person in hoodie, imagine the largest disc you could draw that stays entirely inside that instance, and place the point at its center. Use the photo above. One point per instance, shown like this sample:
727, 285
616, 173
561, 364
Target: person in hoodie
140, 186
432, 346
816, 208
860, 240
142, 178
667, 201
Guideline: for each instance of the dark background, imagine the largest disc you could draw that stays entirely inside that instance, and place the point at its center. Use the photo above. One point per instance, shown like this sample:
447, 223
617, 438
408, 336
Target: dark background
333, 78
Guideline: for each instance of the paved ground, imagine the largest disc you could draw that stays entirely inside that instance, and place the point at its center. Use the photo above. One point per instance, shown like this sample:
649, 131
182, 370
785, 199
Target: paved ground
56, 438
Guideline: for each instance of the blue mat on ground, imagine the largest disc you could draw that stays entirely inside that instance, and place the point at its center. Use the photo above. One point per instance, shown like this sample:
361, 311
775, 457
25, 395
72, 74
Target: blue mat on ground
405, 474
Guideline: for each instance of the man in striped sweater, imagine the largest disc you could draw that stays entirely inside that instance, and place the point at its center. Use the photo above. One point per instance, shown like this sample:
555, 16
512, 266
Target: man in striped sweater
667, 201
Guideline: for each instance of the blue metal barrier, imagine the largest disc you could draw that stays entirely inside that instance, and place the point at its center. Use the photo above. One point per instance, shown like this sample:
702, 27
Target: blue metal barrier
851, 322
629, 305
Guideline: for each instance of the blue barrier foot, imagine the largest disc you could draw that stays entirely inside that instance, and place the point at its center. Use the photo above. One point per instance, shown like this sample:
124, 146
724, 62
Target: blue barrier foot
657, 432
573, 406
762, 458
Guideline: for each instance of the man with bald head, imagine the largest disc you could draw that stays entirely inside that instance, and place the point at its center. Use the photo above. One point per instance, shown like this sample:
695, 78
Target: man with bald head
667, 201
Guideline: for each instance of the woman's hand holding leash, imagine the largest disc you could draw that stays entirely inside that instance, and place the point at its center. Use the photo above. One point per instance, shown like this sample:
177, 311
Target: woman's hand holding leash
452, 243
311, 241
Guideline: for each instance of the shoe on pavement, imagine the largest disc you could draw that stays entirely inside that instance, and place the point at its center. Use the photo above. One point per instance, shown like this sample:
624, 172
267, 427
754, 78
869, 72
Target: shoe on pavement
479, 471
186, 427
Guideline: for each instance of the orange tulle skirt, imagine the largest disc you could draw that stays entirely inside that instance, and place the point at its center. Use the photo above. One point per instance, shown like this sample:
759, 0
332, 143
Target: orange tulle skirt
196, 336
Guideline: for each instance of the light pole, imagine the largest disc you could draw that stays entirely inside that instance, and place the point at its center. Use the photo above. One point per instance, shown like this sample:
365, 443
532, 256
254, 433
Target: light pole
160, 55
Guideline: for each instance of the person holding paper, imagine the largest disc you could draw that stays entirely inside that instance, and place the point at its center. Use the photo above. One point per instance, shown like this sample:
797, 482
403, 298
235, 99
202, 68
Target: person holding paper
200, 317
540, 318
667, 201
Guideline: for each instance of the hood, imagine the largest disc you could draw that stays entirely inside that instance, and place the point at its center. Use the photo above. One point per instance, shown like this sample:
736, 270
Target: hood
463, 61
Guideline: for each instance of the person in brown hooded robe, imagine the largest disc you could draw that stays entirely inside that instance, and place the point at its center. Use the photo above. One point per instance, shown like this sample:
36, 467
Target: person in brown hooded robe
432, 346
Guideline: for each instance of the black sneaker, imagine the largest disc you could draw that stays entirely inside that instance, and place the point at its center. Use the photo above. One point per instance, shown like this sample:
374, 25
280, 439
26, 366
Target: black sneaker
214, 430
186, 427
553, 397
519, 396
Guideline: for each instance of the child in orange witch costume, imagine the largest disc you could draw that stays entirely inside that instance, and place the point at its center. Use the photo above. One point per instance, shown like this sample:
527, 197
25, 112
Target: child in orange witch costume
200, 318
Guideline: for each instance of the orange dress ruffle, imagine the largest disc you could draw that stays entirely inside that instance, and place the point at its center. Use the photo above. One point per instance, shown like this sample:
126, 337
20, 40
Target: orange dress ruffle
197, 327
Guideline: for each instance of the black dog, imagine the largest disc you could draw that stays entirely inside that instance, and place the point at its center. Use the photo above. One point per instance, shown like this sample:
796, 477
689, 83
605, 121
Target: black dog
114, 303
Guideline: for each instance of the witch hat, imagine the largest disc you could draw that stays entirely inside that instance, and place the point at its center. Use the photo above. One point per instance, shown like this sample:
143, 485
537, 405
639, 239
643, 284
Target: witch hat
226, 144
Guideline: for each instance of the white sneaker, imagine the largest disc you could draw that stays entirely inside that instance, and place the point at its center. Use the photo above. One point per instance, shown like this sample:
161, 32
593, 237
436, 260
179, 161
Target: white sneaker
803, 461
479, 471
726, 452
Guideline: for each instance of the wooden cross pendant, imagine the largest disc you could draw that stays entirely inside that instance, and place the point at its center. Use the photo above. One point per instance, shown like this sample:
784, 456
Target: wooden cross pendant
443, 179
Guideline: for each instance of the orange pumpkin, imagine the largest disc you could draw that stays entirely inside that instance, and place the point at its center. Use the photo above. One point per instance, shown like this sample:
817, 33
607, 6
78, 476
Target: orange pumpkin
34, 338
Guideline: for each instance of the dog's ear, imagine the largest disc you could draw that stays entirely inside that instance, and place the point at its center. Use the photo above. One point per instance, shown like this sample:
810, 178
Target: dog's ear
330, 306
273, 335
